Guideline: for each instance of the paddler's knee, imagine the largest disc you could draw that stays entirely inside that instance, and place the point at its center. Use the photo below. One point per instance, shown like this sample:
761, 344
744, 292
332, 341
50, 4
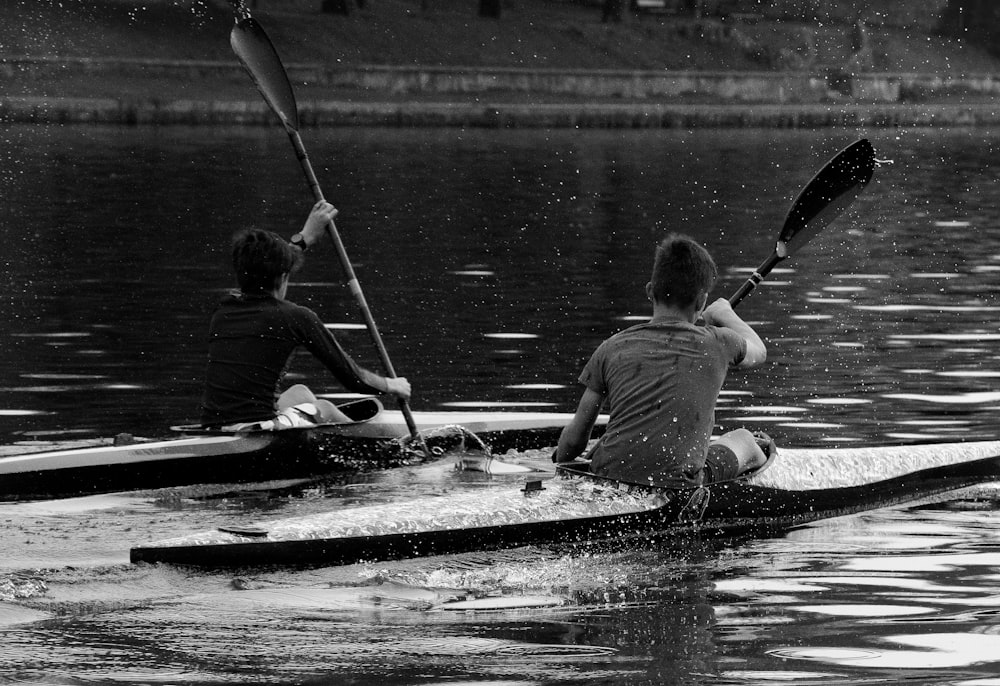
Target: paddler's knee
295, 395
751, 452
300, 394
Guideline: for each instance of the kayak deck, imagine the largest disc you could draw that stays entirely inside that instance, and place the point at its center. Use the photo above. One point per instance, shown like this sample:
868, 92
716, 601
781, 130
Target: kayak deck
203, 456
801, 486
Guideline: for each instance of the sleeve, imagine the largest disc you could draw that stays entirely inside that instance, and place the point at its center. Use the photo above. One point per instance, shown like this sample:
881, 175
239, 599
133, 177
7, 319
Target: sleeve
733, 345
322, 344
592, 375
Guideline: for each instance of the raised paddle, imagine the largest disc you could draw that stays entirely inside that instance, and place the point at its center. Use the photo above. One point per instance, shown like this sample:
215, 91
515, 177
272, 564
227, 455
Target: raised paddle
822, 200
255, 50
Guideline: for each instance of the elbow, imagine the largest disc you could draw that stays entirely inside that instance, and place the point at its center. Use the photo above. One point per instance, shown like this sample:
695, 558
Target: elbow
756, 356
762, 357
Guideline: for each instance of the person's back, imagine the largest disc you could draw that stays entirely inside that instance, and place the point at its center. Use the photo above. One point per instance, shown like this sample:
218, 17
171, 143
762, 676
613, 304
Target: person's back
244, 368
661, 380
251, 340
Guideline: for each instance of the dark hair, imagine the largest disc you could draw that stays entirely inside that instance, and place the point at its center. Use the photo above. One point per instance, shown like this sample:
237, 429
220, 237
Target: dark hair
681, 270
261, 258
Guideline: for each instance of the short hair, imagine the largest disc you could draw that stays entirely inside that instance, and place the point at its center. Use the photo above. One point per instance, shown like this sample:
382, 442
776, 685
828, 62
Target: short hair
261, 258
682, 269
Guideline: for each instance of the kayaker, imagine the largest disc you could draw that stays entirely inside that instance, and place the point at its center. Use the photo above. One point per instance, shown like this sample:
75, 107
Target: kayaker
661, 381
254, 332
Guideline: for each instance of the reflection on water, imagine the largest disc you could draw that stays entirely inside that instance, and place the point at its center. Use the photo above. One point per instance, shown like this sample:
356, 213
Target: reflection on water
495, 262
900, 591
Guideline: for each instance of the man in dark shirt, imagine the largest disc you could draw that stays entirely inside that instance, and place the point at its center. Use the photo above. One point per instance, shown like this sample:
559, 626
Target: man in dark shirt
661, 381
255, 331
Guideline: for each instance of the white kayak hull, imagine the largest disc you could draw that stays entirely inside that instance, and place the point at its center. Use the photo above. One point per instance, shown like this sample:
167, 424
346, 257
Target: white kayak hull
800, 486
218, 456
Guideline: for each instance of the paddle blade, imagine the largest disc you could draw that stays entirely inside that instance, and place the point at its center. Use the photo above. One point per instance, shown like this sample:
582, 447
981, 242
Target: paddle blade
258, 56
823, 199
829, 193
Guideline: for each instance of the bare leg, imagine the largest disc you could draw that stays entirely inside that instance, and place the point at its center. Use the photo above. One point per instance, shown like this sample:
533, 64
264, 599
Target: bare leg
744, 446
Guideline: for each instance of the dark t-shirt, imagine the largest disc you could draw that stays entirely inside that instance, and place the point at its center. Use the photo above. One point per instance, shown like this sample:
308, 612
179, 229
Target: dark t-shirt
252, 338
661, 381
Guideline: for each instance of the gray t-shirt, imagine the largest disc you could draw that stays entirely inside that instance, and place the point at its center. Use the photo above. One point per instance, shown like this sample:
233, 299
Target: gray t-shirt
661, 381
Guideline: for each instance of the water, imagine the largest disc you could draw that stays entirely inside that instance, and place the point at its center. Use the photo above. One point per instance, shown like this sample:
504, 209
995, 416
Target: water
494, 263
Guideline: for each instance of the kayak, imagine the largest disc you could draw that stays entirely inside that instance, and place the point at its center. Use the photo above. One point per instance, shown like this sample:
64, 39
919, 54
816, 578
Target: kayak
375, 439
575, 507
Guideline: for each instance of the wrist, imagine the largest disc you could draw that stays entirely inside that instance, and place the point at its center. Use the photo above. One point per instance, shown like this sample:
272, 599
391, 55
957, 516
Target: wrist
299, 241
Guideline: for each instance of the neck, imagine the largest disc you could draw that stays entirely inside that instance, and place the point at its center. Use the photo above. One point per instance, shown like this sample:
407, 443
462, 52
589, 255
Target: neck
258, 294
673, 313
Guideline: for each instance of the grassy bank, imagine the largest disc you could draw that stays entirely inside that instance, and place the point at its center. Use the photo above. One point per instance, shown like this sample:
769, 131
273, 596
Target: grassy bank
532, 35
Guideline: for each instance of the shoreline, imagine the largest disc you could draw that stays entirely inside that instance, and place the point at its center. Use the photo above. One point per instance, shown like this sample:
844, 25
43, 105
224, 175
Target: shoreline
207, 93
497, 115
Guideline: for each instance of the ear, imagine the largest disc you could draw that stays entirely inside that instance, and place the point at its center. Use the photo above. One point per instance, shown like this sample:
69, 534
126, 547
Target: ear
282, 288
649, 290
702, 301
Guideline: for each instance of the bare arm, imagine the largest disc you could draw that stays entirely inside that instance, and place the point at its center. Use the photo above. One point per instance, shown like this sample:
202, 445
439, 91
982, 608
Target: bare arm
720, 313
321, 214
574, 437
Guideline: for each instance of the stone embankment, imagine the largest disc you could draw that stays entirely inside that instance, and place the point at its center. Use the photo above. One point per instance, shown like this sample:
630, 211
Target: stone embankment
420, 96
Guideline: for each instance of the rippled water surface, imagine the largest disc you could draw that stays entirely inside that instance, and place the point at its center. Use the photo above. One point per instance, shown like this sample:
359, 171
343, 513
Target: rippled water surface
494, 263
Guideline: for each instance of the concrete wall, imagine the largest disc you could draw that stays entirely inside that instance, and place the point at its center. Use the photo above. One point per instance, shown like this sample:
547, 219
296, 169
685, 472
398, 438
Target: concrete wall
743, 86
761, 87
497, 116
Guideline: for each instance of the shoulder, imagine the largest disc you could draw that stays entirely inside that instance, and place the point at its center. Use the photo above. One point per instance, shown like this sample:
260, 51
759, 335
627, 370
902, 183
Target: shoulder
733, 344
296, 310
303, 320
614, 341
626, 335
722, 334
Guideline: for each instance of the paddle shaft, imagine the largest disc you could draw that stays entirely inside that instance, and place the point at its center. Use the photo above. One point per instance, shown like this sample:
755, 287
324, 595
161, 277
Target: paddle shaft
352, 280
758, 275
258, 56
